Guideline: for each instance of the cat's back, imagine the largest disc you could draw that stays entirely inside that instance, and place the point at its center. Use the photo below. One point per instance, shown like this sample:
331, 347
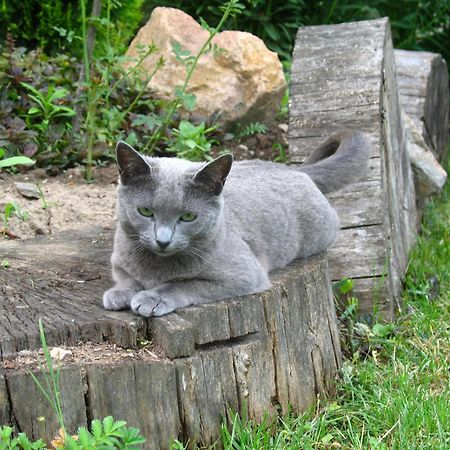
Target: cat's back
278, 211
259, 178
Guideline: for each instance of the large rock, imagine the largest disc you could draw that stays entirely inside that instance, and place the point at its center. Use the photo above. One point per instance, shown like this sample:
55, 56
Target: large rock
244, 81
429, 176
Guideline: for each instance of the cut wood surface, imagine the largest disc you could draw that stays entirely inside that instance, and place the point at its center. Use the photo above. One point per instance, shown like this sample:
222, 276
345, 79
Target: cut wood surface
260, 354
343, 76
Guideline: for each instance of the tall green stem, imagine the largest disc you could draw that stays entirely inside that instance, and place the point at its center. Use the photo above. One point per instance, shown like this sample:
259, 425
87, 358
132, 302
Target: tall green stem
126, 75
108, 46
85, 43
176, 103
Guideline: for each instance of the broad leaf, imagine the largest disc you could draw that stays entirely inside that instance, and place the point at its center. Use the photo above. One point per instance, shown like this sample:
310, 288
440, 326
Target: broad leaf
15, 161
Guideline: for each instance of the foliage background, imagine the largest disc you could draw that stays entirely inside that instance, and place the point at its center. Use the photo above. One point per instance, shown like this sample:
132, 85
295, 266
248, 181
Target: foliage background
41, 44
53, 25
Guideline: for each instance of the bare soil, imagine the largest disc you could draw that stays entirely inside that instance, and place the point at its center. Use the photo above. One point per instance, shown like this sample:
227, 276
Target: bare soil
68, 202
82, 354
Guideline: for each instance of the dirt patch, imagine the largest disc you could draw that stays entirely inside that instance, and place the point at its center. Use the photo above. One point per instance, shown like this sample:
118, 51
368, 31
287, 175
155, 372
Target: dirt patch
67, 202
83, 354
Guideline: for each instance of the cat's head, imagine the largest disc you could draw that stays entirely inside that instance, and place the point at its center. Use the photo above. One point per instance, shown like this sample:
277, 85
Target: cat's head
169, 205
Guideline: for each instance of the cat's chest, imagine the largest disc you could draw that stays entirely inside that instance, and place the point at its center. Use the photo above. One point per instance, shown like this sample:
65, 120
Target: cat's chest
151, 272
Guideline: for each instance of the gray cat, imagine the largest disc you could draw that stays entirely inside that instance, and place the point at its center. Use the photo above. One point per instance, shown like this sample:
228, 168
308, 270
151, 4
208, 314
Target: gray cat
185, 236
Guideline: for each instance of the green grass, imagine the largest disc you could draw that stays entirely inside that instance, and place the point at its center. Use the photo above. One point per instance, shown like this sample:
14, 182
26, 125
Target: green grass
397, 397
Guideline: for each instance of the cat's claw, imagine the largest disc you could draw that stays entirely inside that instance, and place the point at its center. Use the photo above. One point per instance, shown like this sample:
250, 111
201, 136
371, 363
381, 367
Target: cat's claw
151, 304
117, 299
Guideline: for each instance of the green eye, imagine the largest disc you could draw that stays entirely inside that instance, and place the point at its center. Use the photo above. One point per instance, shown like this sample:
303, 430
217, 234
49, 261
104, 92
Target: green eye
146, 212
188, 217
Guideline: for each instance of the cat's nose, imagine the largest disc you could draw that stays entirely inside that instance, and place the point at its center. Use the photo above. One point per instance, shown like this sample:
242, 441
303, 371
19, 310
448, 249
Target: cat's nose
162, 244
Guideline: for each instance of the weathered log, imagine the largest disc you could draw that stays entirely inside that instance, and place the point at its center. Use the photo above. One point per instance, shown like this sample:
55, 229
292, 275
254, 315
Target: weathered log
424, 96
256, 354
343, 76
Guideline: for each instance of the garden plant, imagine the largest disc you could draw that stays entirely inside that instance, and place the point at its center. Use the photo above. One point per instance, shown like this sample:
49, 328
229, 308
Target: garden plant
65, 100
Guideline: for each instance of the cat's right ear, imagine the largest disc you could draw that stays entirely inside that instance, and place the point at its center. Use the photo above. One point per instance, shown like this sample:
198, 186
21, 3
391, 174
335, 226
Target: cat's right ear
130, 163
212, 176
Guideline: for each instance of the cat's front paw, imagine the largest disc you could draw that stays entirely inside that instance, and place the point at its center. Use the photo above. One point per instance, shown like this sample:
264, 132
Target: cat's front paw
151, 304
116, 299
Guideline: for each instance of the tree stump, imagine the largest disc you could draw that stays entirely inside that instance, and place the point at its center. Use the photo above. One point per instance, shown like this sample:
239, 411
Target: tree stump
343, 76
174, 376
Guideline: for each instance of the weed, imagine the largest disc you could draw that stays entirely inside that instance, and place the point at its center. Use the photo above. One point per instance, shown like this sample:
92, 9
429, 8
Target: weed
14, 160
5, 264
8, 442
44, 202
47, 107
283, 112
251, 129
106, 433
10, 210
361, 336
192, 141
280, 151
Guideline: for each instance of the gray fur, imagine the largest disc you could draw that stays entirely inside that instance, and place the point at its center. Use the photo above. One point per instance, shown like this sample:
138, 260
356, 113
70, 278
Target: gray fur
263, 217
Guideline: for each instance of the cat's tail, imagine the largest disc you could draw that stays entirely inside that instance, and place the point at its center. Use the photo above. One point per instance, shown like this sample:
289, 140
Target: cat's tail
340, 160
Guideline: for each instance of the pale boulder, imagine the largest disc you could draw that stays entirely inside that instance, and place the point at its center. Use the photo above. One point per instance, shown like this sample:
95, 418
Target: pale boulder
429, 176
244, 81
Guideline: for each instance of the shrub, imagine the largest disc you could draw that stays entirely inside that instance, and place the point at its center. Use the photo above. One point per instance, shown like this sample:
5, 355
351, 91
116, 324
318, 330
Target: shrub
55, 25
416, 24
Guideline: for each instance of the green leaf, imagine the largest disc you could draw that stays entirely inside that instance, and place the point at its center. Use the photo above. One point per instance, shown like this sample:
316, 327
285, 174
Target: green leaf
16, 160
149, 120
23, 441
5, 432
84, 437
383, 330
58, 94
62, 111
119, 424
186, 128
132, 139
9, 209
33, 110
190, 143
345, 285
189, 101
108, 424
71, 444
97, 429
180, 53
2, 153
31, 89
327, 438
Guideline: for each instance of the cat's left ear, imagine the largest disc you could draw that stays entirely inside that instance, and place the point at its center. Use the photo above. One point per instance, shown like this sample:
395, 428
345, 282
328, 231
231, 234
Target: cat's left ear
212, 176
131, 164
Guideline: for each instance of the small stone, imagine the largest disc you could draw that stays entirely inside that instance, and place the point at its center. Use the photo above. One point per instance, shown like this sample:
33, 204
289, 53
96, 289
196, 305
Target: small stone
284, 127
58, 353
28, 190
242, 147
228, 137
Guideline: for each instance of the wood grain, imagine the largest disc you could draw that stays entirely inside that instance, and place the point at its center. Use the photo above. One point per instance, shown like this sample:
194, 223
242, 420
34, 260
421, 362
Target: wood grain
344, 76
255, 354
